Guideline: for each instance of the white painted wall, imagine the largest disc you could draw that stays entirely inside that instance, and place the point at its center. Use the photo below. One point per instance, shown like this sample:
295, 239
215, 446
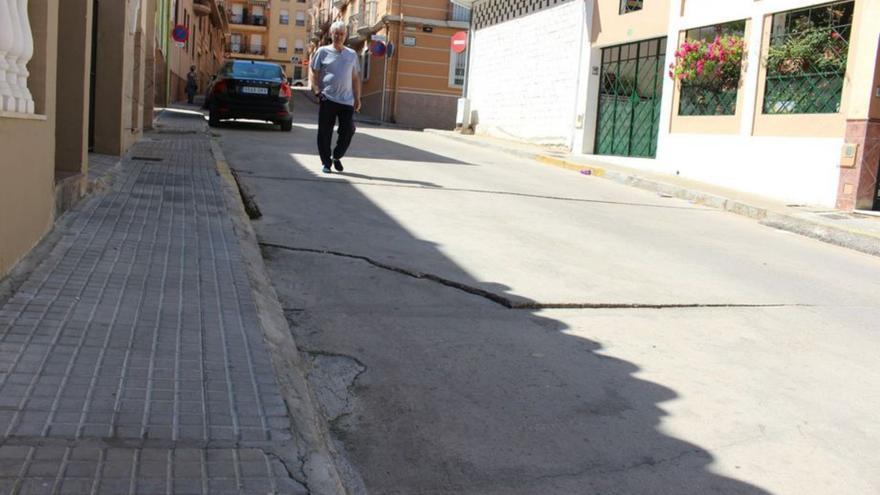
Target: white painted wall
797, 170
524, 75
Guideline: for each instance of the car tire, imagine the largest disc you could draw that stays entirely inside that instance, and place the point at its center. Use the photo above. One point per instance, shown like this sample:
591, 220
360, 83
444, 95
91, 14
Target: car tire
213, 121
287, 125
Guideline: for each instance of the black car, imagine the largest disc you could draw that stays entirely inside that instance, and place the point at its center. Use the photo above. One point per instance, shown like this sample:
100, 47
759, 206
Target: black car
250, 90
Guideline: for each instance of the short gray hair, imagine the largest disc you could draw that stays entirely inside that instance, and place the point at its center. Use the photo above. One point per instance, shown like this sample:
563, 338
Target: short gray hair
338, 26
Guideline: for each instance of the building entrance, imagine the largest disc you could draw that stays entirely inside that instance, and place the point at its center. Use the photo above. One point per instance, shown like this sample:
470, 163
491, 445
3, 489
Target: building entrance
629, 99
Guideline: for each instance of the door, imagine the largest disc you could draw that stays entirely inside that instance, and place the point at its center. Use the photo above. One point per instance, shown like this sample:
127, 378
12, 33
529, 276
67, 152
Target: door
877, 191
629, 99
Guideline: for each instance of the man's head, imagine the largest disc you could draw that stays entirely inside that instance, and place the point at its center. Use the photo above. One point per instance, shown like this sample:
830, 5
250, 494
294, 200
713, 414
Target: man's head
192, 68
338, 31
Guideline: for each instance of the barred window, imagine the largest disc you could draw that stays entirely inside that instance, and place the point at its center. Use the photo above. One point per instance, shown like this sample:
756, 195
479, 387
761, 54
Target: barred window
807, 59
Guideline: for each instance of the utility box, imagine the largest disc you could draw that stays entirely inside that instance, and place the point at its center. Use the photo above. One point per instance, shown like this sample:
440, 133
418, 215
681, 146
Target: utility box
463, 114
848, 155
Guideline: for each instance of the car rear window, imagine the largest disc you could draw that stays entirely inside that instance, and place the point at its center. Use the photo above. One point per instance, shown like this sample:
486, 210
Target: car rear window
257, 71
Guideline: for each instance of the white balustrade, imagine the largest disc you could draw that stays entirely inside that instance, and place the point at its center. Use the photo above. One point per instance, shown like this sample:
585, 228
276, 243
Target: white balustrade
27, 103
7, 99
16, 50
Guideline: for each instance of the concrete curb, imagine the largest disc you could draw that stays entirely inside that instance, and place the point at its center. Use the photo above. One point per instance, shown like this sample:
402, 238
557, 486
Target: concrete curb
312, 437
860, 241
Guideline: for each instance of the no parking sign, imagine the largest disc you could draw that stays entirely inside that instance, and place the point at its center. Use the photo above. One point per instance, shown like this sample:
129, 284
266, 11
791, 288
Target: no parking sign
180, 34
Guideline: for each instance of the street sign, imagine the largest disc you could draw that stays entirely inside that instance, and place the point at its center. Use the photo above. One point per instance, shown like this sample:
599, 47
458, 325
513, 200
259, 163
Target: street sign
180, 33
377, 48
459, 41
409, 41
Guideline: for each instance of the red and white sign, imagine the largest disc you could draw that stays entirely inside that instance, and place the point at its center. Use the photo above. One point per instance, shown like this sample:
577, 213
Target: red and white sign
459, 41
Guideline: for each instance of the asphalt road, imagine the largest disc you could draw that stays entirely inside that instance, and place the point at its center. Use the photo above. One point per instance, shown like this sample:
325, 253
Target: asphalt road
482, 324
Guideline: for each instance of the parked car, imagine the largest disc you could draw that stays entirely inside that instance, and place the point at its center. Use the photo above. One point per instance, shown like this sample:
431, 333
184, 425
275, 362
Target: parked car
250, 90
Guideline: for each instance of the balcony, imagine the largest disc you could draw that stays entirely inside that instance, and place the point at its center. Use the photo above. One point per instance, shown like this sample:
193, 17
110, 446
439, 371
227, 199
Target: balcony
240, 51
202, 8
250, 21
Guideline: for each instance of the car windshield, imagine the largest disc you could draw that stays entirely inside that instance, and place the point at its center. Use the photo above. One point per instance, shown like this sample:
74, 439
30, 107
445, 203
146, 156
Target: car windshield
257, 71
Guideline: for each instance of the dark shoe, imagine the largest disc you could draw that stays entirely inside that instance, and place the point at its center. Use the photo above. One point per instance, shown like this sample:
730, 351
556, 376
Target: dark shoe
337, 165
326, 169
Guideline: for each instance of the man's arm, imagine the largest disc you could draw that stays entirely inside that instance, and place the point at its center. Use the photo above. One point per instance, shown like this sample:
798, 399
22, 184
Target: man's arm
314, 77
314, 74
356, 89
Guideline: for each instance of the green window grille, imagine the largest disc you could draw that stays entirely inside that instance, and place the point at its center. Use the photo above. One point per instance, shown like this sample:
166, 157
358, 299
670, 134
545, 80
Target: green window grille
627, 6
717, 95
806, 63
629, 99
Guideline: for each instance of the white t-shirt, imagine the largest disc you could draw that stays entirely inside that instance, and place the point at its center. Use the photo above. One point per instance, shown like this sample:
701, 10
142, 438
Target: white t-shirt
336, 71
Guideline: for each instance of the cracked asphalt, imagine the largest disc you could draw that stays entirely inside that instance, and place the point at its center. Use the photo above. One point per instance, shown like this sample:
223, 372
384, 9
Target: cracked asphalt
657, 346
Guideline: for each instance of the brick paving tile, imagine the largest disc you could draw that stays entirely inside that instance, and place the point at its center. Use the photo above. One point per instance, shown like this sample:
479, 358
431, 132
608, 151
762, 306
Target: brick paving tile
136, 346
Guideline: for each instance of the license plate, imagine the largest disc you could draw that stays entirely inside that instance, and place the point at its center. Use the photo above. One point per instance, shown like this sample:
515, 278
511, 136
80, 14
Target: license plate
254, 91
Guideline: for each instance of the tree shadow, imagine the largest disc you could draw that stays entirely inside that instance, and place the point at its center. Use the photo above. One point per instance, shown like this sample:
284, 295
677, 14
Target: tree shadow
460, 394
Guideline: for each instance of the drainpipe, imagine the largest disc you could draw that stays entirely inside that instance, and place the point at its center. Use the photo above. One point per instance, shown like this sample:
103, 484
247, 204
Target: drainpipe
579, 70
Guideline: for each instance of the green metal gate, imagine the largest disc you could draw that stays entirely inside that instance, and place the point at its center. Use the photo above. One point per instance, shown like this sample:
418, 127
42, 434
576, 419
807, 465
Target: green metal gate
629, 99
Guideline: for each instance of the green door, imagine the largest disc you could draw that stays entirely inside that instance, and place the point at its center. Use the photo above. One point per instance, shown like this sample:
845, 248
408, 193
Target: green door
629, 99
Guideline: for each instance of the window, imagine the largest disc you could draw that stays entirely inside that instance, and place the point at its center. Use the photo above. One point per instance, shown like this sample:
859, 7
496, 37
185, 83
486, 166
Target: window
460, 13
235, 43
237, 16
300, 18
806, 62
284, 17
298, 46
457, 63
711, 57
256, 45
282, 45
627, 6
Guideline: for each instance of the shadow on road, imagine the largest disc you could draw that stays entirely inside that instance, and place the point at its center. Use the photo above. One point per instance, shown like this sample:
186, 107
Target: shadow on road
459, 395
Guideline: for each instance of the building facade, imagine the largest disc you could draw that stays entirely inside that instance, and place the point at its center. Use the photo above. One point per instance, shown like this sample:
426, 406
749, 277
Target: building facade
65, 88
205, 47
418, 79
643, 83
271, 31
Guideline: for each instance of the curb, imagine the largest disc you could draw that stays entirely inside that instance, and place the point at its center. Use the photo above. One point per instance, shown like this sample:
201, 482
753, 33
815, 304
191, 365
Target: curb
860, 241
319, 461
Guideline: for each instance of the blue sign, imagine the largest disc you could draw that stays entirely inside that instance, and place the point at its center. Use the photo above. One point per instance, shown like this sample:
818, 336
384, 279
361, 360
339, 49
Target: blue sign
180, 33
377, 48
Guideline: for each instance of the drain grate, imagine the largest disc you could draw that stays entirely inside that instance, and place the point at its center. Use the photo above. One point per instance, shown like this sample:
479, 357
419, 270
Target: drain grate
148, 158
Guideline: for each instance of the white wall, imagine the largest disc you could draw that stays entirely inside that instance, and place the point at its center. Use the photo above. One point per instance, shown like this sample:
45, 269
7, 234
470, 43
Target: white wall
524, 75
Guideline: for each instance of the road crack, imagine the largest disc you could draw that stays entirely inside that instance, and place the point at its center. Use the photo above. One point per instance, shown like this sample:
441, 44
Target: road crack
518, 304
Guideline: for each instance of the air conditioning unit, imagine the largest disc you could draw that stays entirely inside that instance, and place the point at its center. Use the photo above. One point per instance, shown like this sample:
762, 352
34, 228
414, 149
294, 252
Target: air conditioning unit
463, 114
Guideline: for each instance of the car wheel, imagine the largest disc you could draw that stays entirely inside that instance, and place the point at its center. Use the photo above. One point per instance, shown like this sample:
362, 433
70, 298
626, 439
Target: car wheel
213, 121
287, 126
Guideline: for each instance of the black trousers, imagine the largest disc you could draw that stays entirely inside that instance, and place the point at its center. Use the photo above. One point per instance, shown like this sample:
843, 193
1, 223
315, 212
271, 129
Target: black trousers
328, 113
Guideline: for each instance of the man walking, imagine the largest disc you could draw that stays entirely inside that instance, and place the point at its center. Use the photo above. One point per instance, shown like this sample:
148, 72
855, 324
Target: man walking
191, 85
335, 79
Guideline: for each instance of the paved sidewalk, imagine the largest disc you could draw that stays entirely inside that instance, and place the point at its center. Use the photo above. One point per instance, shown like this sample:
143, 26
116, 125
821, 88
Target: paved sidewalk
848, 229
132, 359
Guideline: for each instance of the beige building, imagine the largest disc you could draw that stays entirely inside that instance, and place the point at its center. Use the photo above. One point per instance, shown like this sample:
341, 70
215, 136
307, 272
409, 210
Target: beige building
272, 31
420, 82
205, 47
64, 91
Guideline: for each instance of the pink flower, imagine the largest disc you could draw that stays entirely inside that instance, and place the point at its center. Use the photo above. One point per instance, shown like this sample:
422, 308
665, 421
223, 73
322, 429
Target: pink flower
700, 65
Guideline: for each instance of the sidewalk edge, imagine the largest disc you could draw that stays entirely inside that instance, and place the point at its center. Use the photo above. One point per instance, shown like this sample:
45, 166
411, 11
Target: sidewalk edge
319, 465
863, 242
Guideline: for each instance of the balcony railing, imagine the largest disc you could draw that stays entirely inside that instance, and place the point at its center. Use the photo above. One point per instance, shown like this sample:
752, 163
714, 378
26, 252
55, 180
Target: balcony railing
246, 19
247, 50
16, 50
